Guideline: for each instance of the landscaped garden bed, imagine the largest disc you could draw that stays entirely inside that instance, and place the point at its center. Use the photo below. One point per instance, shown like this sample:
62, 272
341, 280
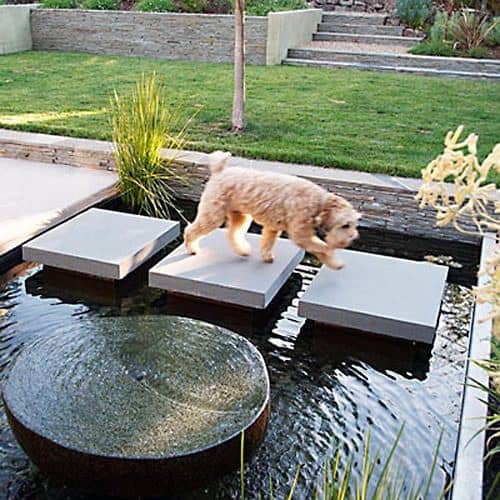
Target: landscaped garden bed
253, 7
453, 29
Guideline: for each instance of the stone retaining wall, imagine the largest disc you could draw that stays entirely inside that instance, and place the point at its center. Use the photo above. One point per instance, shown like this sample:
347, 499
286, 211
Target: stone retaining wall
202, 37
197, 37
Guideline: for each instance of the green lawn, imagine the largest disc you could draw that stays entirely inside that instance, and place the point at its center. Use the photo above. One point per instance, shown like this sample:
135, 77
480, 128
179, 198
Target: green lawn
349, 119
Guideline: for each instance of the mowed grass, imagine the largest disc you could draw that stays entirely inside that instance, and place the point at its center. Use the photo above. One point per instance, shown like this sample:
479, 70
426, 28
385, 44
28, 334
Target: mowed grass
367, 121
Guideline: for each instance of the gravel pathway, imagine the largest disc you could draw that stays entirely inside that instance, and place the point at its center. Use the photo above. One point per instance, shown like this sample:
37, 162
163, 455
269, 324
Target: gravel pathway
359, 47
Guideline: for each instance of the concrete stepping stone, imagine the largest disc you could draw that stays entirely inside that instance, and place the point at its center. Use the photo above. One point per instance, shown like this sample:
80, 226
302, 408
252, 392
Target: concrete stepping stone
102, 243
219, 275
378, 294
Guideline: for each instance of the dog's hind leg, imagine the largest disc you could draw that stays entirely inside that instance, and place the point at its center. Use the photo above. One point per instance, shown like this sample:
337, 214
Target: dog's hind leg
206, 221
267, 242
237, 226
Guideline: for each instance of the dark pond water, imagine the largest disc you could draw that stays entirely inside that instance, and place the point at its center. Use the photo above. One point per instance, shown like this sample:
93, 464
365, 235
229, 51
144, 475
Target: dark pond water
327, 388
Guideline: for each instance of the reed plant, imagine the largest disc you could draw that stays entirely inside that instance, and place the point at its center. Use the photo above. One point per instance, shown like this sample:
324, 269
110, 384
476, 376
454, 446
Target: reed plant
144, 127
380, 477
491, 398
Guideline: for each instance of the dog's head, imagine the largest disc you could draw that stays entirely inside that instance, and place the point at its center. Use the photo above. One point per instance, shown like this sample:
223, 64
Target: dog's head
338, 221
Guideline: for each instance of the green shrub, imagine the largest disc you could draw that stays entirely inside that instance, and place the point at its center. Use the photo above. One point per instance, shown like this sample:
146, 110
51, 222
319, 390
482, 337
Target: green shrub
478, 53
101, 4
263, 7
414, 13
440, 29
493, 37
156, 6
218, 7
142, 126
58, 4
193, 5
434, 48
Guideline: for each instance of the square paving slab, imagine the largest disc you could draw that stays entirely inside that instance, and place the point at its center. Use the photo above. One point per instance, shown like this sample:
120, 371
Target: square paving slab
102, 243
218, 274
378, 294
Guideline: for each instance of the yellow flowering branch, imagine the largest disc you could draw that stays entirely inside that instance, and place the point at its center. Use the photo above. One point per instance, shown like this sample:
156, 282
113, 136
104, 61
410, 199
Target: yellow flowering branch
467, 196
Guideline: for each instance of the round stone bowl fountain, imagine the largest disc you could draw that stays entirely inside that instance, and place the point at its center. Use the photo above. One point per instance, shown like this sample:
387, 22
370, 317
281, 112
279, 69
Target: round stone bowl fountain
138, 406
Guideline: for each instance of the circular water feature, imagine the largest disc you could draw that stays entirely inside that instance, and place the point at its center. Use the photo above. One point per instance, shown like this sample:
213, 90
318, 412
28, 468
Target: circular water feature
138, 406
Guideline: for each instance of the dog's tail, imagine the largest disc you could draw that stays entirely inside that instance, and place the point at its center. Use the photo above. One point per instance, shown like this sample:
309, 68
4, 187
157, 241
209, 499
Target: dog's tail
217, 161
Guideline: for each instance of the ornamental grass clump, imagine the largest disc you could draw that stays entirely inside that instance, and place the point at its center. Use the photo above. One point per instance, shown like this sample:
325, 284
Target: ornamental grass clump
470, 29
143, 125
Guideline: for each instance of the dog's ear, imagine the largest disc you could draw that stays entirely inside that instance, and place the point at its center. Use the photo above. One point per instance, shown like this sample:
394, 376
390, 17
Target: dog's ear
331, 204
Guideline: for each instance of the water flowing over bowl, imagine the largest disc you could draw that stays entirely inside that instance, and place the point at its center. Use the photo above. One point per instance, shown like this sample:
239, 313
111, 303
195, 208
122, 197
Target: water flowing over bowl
138, 405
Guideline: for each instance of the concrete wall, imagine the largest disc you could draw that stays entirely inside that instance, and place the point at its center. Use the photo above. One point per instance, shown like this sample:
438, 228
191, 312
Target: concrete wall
200, 37
290, 29
15, 33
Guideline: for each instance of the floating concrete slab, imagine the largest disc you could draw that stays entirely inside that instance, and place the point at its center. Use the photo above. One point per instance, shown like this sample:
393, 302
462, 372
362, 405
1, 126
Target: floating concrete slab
102, 243
218, 274
378, 294
36, 196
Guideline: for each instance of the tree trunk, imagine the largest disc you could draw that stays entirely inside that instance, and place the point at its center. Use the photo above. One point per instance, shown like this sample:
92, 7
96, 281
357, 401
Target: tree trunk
238, 118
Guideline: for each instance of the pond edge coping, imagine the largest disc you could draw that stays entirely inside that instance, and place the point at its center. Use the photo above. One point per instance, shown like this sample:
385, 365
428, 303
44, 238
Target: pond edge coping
468, 477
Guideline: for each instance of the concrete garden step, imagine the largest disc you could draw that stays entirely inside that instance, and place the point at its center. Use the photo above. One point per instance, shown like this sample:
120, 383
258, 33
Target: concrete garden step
360, 29
445, 64
396, 69
353, 18
407, 41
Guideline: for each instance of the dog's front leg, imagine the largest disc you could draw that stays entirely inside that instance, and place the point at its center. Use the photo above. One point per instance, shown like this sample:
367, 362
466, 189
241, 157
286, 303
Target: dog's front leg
329, 260
316, 246
237, 226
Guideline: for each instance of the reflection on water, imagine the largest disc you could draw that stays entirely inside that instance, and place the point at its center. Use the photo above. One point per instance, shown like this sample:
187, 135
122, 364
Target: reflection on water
327, 387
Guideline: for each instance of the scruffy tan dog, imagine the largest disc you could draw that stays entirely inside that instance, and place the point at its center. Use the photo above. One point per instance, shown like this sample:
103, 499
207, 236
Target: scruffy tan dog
279, 203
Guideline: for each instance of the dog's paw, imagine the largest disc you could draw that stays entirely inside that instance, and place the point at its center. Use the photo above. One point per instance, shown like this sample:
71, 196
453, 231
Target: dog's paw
335, 265
192, 248
243, 248
267, 257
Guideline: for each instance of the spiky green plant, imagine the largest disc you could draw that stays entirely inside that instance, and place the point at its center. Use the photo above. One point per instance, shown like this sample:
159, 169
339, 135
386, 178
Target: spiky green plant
380, 478
470, 29
143, 125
